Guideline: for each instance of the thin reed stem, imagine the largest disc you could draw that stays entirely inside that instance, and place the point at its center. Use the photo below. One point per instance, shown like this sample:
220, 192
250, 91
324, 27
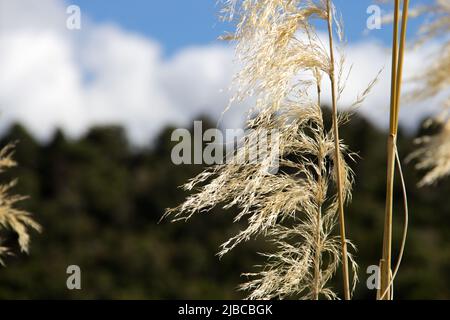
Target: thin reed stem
338, 160
385, 262
320, 161
397, 71
401, 58
317, 256
319, 89
405, 230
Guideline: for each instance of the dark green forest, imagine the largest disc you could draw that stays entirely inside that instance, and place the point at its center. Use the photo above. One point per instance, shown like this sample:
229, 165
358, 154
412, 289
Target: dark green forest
99, 200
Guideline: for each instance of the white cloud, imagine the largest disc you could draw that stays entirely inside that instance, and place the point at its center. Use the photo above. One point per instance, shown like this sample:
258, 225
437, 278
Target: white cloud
51, 77
367, 59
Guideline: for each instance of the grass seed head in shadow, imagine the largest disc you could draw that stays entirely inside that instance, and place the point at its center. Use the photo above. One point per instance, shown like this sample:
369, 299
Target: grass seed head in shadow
433, 154
11, 217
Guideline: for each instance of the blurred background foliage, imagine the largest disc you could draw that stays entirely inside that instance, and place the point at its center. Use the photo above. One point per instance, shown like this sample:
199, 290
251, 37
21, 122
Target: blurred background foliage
100, 199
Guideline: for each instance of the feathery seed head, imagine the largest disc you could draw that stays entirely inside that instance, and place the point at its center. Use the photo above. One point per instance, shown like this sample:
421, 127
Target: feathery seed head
281, 57
12, 218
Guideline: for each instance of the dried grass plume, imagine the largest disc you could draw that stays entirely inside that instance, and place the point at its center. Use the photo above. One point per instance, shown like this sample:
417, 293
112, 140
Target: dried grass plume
11, 217
295, 205
433, 155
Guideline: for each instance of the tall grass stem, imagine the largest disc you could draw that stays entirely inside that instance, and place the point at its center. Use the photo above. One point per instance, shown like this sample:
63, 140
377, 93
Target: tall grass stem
337, 155
397, 71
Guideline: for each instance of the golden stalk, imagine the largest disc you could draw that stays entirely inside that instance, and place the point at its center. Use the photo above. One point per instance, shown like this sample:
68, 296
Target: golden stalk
317, 259
397, 71
338, 159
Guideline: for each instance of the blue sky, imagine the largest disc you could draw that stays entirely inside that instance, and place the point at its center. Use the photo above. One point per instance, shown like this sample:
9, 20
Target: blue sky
175, 24
180, 23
